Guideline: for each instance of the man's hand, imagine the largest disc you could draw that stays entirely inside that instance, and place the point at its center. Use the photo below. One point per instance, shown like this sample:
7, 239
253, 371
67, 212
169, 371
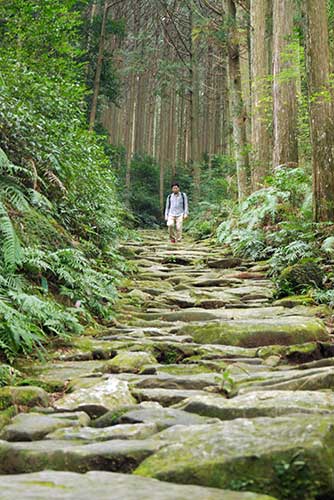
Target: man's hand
185, 216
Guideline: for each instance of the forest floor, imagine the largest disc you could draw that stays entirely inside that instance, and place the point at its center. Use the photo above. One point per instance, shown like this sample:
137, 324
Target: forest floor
204, 385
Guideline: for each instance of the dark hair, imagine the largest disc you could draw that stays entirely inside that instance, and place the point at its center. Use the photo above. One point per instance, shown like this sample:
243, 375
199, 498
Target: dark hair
175, 184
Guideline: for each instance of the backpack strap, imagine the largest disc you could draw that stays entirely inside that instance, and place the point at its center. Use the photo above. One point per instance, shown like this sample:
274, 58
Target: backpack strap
184, 203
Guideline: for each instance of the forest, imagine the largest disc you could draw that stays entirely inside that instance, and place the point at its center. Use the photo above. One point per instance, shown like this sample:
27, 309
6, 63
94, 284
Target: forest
104, 104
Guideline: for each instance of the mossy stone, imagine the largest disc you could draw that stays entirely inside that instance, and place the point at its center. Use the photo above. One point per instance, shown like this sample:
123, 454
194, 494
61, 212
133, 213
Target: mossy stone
289, 457
300, 276
130, 362
23, 396
255, 333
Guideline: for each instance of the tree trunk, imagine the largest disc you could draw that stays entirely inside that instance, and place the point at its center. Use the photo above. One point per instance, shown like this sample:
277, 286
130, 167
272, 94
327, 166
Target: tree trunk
97, 78
261, 141
238, 109
321, 110
128, 139
284, 88
194, 111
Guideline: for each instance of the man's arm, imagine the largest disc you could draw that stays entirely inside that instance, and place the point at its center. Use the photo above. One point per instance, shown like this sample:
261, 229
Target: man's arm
186, 209
167, 208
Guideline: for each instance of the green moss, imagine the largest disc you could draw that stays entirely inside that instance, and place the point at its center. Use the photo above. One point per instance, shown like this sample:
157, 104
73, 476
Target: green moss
300, 276
6, 415
25, 396
295, 300
6, 398
110, 418
47, 484
48, 385
36, 229
255, 333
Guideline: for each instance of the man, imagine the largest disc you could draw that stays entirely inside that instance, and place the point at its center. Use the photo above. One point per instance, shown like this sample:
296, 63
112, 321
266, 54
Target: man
176, 211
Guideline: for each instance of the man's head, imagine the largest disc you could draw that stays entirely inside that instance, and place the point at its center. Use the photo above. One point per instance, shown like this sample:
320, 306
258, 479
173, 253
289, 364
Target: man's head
175, 187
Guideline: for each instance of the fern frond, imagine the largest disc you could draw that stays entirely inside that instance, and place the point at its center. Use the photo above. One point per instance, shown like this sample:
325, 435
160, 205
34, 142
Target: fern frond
11, 248
11, 192
53, 179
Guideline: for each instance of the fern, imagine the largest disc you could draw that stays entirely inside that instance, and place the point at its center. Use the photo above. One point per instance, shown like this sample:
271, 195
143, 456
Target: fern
17, 332
12, 251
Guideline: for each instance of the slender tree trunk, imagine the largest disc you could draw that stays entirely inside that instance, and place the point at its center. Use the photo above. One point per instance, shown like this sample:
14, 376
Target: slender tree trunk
97, 79
261, 141
128, 139
321, 110
162, 148
284, 88
194, 111
238, 109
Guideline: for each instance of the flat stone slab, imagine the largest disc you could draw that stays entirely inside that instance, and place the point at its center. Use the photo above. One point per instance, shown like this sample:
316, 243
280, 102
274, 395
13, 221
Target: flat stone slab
34, 426
256, 453
107, 486
91, 434
115, 455
261, 404
166, 397
259, 332
315, 379
163, 417
62, 372
183, 382
98, 398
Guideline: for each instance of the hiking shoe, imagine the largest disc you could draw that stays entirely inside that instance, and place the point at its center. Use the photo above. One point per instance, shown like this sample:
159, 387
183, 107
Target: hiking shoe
173, 240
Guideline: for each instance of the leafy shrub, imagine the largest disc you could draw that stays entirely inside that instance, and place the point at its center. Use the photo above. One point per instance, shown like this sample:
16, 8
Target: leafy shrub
273, 222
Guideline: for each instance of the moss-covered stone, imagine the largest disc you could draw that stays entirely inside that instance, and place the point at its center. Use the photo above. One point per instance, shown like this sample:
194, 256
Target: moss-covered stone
97, 397
288, 457
110, 486
114, 455
23, 396
254, 333
6, 415
300, 276
48, 385
295, 300
34, 426
260, 404
130, 362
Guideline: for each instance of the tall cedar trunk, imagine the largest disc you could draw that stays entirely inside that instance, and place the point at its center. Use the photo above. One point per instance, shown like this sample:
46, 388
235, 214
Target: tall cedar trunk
194, 110
141, 113
284, 87
321, 110
128, 139
238, 109
162, 148
98, 71
261, 141
223, 108
243, 21
207, 108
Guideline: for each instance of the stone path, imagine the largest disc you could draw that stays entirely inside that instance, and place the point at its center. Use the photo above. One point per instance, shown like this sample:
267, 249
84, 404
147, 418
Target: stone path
205, 388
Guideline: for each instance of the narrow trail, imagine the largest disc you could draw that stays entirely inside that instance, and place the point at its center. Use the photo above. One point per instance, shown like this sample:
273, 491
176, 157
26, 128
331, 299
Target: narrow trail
204, 385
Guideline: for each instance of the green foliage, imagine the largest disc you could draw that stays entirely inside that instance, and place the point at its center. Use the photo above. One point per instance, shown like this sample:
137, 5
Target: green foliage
273, 222
59, 213
144, 195
323, 296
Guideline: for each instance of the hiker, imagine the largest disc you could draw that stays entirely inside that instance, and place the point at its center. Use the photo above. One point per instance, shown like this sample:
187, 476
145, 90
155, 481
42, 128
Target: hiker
176, 211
